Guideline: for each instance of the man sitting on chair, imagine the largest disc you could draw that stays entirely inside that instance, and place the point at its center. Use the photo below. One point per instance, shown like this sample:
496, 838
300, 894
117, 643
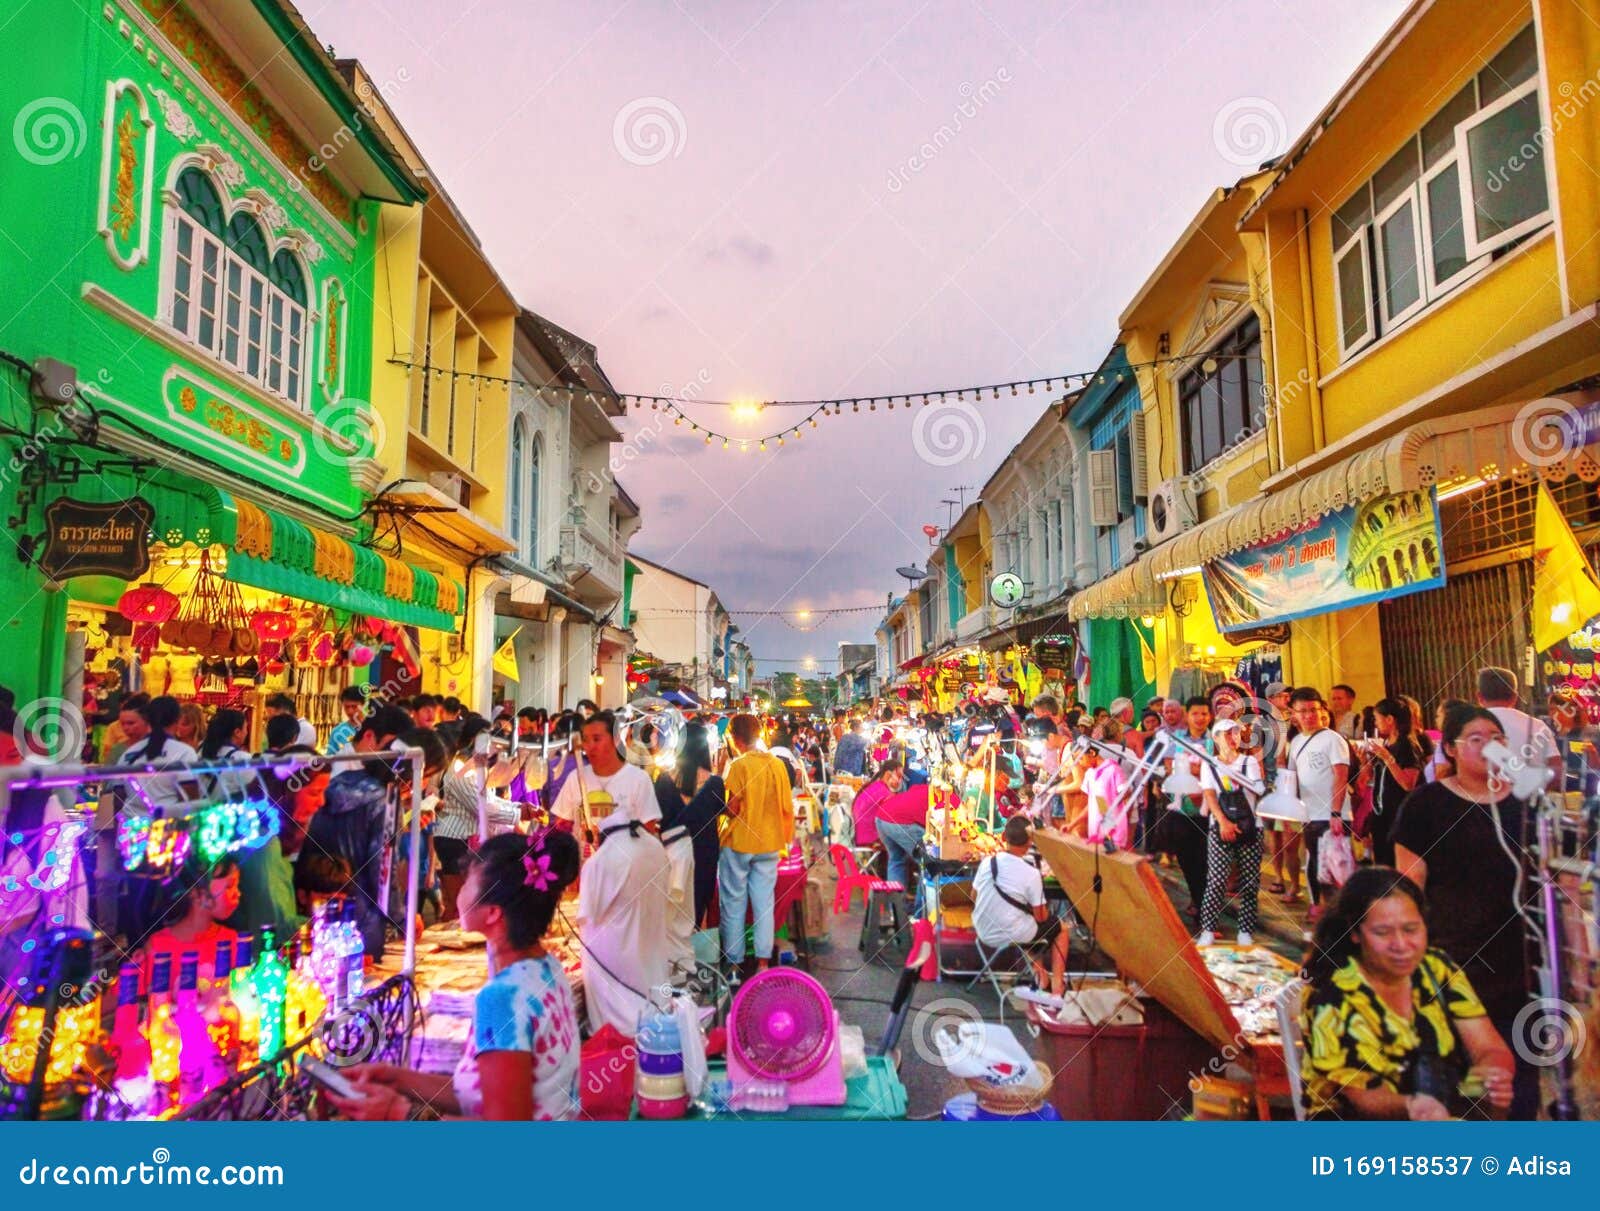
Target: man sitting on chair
1010, 908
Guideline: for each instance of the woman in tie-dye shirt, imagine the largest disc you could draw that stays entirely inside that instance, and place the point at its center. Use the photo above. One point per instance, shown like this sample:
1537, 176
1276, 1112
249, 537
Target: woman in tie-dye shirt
522, 1059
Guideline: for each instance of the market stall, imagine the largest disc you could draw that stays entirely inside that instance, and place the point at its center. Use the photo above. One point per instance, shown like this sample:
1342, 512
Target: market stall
176, 587
1203, 1013
176, 1027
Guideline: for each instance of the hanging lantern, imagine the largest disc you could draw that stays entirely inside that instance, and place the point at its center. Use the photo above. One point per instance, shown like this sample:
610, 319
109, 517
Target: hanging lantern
361, 655
272, 624
148, 603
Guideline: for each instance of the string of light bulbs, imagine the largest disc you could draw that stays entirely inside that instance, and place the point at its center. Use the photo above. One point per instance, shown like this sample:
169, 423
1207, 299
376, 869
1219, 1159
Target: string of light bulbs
800, 612
750, 408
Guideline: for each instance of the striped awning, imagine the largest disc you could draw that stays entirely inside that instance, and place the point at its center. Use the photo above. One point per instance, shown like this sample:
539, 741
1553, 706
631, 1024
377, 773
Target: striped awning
270, 550
1516, 441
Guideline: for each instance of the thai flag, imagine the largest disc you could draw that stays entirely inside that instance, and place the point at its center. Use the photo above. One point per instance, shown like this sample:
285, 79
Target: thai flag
1080, 667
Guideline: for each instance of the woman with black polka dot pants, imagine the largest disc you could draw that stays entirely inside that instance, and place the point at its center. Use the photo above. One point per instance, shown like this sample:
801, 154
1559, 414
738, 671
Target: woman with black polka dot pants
1233, 834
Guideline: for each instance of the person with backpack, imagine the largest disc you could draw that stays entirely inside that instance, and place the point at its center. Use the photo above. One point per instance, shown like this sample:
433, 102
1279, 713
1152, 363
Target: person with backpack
1009, 907
1233, 834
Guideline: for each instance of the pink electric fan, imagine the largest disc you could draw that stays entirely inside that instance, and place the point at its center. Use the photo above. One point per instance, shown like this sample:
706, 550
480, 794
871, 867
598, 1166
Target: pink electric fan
783, 1032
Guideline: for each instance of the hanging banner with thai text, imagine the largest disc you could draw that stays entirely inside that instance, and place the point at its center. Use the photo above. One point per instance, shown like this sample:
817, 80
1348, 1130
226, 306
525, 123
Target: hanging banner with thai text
1382, 548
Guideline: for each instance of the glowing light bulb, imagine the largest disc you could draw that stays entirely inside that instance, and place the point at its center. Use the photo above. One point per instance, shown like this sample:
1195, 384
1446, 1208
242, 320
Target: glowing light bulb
75, 1027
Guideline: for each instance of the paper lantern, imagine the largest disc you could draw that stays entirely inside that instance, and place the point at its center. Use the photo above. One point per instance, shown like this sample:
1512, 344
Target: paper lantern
148, 603
272, 624
361, 655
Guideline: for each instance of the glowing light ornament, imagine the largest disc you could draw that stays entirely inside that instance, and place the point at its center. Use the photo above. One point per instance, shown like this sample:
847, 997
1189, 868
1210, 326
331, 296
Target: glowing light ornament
151, 846
304, 1000
129, 1046
221, 1014
226, 828
242, 992
161, 1032
76, 1028
58, 848
200, 1066
270, 976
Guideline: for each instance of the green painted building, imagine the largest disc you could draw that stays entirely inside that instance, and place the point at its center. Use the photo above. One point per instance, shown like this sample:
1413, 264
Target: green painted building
189, 201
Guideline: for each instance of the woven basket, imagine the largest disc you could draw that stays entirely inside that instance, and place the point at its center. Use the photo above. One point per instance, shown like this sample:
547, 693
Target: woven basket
1017, 1100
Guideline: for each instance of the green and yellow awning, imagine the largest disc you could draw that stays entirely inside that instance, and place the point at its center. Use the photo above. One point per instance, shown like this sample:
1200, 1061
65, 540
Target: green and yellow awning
271, 551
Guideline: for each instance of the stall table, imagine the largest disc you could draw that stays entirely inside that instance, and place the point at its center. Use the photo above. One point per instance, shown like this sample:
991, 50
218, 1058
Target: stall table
875, 1095
1137, 926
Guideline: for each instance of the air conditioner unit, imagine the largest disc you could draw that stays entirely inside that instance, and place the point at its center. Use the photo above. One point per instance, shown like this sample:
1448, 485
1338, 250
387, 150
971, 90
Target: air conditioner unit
452, 485
1171, 511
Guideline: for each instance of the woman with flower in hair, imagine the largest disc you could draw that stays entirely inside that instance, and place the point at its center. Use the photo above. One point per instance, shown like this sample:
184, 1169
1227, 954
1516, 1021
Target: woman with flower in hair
521, 1061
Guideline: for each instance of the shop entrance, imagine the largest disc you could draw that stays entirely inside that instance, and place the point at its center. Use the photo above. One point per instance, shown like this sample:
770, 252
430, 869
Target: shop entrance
1434, 643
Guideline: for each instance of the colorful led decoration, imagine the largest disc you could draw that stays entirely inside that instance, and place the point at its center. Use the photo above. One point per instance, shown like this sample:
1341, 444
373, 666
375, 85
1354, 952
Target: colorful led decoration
225, 828
152, 847
76, 1027
58, 842
270, 978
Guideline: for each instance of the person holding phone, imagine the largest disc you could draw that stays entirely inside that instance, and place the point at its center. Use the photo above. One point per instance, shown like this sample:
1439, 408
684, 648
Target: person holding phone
521, 1062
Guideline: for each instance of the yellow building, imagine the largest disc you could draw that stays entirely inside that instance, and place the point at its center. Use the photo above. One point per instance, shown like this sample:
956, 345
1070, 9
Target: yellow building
442, 357
1422, 268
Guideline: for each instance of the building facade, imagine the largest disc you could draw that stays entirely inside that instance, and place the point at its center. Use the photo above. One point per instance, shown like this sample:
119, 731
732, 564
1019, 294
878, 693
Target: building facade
193, 383
1412, 326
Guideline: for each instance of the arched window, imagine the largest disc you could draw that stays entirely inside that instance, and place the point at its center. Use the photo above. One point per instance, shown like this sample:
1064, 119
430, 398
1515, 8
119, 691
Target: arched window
200, 200
229, 294
286, 321
514, 511
196, 259
535, 468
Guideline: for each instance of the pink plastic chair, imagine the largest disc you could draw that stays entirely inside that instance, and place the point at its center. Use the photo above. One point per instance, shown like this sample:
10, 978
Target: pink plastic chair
851, 878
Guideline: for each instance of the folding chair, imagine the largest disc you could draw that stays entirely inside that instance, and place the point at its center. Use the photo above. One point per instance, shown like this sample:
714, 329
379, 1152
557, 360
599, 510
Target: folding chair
1001, 979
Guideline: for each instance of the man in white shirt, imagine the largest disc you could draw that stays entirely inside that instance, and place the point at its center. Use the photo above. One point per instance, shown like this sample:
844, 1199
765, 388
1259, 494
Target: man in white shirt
1528, 738
1010, 907
623, 912
604, 784
1320, 760
1342, 706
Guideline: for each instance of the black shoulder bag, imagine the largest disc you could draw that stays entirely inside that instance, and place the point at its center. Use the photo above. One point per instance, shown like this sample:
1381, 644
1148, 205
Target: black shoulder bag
1235, 807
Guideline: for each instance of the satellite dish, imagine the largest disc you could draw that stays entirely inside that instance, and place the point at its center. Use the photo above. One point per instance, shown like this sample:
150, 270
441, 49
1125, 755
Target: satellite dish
912, 574
931, 531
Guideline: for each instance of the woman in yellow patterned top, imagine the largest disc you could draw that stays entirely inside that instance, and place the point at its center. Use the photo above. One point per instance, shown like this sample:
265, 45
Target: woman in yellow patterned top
1392, 1029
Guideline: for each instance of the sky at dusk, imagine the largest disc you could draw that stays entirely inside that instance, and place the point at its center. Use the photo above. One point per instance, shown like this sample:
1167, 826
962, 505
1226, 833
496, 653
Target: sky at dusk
790, 199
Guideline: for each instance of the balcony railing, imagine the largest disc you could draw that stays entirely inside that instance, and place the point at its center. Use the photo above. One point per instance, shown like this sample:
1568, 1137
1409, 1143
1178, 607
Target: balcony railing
974, 624
603, 559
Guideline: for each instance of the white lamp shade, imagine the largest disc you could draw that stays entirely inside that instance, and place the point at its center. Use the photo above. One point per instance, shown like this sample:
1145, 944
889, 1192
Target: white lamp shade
1283, 802
1180, 781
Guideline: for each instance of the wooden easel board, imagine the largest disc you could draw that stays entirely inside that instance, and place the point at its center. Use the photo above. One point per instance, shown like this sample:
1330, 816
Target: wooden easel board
1135, 923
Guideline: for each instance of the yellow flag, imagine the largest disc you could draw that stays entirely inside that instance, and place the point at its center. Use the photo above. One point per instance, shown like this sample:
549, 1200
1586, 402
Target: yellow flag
505, 658
1566, 593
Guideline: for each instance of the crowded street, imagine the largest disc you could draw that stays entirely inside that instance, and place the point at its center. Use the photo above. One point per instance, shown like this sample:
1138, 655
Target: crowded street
1073, 599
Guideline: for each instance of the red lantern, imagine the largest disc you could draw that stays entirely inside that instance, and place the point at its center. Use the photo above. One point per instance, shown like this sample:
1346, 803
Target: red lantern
272, 624
148, 603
